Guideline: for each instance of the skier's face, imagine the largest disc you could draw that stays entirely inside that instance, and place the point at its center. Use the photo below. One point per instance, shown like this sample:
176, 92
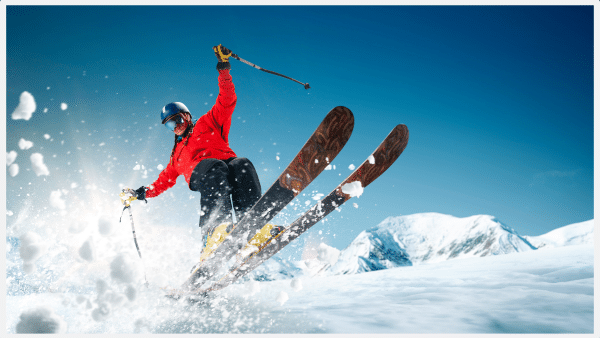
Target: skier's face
178, 123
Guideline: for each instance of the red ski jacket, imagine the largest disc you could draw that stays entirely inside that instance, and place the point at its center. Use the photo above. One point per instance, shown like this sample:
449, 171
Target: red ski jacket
209, 139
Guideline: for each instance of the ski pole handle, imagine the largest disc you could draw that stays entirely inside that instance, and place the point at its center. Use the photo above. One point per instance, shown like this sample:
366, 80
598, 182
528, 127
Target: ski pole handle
306, 86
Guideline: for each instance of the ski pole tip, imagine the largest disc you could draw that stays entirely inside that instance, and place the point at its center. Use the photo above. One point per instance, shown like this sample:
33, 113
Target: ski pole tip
306, 86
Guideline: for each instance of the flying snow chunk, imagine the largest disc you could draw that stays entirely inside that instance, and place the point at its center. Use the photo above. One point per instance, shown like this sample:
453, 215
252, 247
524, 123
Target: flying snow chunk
32, 248
37, 162
371, 159
123, 270
63, 106
140, 324
351, 167
131, 293
25, 108
101, 287
24, 144
13, 170
41, 320
282, 297
327, 254
101, 312
160, 167
47, 136
354, 189
56, 201
296, 285
317, 196
86, 251
11, 156
105, 226
252, 287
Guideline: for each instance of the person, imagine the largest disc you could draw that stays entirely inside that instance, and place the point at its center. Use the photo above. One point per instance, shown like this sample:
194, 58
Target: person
202, 154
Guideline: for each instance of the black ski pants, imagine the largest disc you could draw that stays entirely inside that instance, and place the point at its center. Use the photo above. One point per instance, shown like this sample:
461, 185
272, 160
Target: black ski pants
217, 180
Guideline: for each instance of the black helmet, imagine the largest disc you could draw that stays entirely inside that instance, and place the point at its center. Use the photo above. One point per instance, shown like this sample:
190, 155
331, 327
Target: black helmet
171, 109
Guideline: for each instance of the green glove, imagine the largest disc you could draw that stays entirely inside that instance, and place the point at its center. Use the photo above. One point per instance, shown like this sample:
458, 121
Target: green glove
223, 55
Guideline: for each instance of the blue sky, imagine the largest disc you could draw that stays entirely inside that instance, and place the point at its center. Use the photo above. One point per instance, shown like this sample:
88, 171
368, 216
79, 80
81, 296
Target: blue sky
498, 101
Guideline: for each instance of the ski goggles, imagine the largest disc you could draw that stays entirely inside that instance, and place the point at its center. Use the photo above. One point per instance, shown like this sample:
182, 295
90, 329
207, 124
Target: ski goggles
173, 122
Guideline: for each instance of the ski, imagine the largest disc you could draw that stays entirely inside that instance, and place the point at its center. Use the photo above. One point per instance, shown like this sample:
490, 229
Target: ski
321, 148
383, 157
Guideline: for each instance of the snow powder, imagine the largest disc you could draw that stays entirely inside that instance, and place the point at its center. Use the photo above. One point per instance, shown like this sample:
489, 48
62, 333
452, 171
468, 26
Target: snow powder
41, 320
31, 249
123, 270
317, 196
296, 284
327, 254
105, 226
13, 170
252, 287
131, 293
282, 297
11, 157
86, 251
354, 189
25, 108
56, 201
24, 144
37, 162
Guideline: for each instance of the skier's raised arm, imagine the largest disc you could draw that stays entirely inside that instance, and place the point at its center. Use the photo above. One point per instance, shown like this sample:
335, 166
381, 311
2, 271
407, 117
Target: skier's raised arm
219, 116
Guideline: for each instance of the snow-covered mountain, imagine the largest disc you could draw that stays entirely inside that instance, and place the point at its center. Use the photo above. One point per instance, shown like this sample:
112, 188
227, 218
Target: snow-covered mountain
427, 238
574, 234
422, 238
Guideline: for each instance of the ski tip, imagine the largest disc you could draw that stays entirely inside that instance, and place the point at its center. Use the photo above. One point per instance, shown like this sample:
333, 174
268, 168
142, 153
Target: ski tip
344, 113
342, 108
403, 129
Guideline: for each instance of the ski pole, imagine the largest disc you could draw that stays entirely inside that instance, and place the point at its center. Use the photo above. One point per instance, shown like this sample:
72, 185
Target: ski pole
126, 201
306, 86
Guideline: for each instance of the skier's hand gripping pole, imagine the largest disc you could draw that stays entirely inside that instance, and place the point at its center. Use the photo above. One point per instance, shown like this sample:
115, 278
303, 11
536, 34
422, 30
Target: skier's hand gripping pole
223, 54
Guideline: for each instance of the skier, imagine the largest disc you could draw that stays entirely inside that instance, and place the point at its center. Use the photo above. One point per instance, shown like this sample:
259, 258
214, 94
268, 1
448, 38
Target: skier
202, 154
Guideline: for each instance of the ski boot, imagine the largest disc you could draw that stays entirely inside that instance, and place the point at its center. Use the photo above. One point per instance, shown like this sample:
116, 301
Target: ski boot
214, 239
259, 240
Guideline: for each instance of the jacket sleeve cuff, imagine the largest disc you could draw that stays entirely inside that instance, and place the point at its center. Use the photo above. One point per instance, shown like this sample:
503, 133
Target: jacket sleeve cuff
223, 65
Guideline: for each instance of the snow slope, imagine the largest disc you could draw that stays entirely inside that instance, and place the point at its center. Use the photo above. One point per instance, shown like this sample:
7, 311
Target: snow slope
94, 283
540, 291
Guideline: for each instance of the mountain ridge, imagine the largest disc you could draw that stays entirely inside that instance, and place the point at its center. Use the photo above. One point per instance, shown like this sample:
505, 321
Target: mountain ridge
424, 238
